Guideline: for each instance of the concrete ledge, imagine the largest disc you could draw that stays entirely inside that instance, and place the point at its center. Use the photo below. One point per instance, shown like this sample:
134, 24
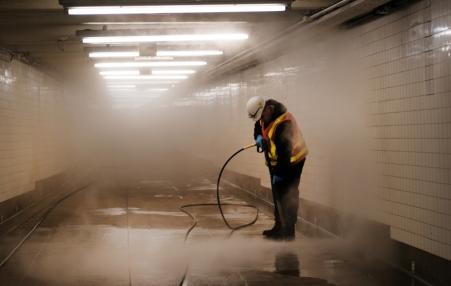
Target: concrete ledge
16, 205
17, 210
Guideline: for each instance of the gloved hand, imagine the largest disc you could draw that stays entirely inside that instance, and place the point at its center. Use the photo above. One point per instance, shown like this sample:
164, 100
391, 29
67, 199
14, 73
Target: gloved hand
261, 144
259, 141
276, 180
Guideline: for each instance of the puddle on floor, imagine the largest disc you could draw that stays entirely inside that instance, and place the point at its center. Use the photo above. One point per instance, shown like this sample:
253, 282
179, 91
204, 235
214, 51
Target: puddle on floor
160, 213
163, 196
110, 212
210, 187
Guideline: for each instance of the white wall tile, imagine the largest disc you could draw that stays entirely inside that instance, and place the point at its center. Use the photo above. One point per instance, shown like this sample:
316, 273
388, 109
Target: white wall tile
28, 131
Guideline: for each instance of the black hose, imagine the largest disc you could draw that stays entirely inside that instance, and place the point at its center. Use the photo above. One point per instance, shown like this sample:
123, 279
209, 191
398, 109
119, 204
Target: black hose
218, 197
219, 205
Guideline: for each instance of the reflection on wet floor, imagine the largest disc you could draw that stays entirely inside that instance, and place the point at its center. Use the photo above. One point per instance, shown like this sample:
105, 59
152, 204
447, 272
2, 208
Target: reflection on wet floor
287, 263
134, 235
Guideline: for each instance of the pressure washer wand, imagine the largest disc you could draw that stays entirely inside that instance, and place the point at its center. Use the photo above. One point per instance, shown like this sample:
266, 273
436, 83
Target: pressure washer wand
217, 190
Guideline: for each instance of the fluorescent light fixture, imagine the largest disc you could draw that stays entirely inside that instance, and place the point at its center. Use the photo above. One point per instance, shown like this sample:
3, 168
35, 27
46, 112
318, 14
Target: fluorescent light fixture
140, 83
121, 86
165, 38
189, 53
173, 71
271, 74
161, 23
154, 58
121, 90
124, 54
120, 72
145, 77
149, 64
158, 89
440, 29
177, 9
443, 33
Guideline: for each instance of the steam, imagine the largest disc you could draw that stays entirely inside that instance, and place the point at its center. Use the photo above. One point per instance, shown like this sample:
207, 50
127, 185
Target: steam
179, 136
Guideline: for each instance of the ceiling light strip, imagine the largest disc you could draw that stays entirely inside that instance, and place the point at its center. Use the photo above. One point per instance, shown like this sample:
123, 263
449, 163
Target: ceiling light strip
147, 58
189, 53
149, 64
145, 77
173, 72
177, 9
165, 38
120, 72
125, 54
121, 86
158, 89
139, 83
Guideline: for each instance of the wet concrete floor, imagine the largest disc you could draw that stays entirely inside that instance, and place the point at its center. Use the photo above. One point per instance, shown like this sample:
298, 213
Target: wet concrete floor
113, 234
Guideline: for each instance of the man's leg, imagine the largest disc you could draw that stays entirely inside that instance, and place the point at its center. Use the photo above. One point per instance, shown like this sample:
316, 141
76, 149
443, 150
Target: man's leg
277, 223
287, 196
289, 204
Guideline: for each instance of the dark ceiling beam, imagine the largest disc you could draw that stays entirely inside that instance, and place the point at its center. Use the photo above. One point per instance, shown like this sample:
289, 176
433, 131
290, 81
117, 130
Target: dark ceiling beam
311, 4
209, 60
49, 54
118, 48
38, 33
60, 63
174, 45
29, 4
19, 12
130, 32
21, 42
43, 46
35, 50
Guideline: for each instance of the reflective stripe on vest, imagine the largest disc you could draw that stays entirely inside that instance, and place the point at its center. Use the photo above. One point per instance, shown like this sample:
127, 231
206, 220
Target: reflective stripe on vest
299, 149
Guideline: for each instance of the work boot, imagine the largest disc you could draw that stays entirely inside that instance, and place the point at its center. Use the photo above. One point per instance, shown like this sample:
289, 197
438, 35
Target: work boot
283, 235
274, 229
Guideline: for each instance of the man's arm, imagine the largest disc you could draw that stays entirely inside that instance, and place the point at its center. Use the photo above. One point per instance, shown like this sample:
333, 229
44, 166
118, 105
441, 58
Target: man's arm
257, 129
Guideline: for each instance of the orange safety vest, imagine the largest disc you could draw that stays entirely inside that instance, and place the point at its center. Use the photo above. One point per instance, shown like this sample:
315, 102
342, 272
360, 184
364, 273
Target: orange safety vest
299, 148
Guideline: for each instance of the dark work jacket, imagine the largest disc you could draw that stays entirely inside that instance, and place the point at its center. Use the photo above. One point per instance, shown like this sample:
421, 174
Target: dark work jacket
281, 140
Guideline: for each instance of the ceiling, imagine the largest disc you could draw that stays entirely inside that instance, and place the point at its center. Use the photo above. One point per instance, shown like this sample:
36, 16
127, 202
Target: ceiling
45, 33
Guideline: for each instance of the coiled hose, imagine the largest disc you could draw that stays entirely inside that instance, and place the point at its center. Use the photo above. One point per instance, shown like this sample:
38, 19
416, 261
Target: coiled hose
219, 205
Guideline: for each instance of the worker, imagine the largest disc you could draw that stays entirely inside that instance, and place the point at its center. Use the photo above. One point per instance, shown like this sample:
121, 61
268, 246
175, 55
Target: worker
276, 133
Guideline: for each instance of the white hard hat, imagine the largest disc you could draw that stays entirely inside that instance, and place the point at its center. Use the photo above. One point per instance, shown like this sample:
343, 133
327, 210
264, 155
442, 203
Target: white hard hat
254, 107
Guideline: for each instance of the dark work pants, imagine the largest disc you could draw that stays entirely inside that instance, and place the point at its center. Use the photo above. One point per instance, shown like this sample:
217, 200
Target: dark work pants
286, 198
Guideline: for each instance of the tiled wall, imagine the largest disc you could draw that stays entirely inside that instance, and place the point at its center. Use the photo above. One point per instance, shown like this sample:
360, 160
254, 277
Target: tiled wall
374, 105
409, 60
30, 128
